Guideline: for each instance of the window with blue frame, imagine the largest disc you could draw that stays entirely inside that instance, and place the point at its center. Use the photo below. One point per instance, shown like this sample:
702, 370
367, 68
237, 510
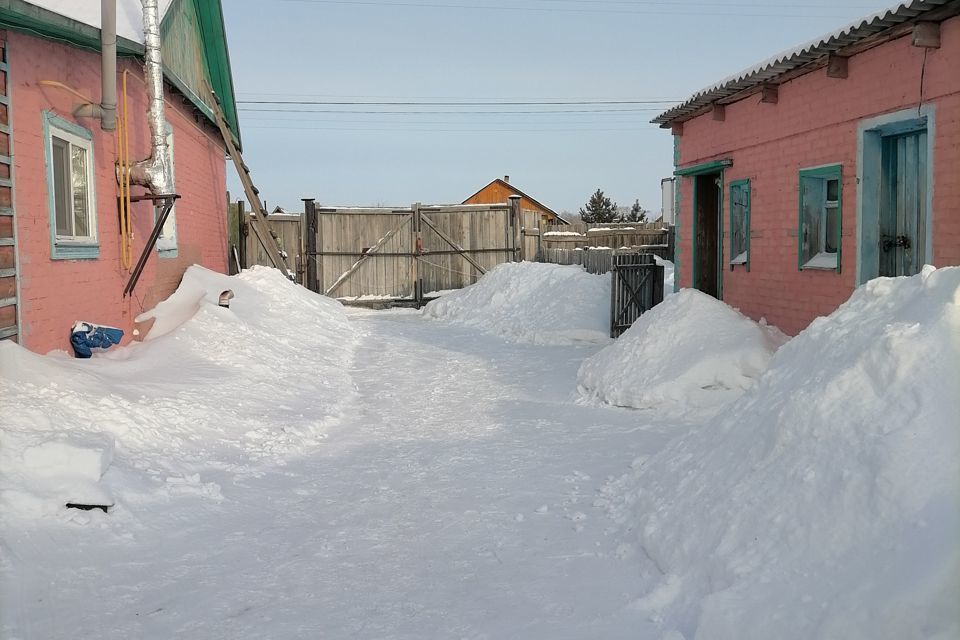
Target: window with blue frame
70, 189
740, 223
167, 241
820, 217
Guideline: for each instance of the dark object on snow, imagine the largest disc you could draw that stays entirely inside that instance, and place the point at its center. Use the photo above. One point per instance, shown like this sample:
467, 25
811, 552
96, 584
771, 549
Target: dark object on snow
88, 507
86, 336
225, 298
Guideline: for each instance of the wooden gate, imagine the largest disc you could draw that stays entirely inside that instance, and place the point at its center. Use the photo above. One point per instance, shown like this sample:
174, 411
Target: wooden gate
408, 254
637, 285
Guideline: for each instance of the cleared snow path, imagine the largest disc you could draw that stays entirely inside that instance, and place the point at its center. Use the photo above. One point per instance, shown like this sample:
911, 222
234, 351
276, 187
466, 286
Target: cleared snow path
455, 500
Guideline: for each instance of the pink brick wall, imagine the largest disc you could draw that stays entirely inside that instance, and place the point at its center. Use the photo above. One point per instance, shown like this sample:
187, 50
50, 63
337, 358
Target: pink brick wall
55, 293
815, 122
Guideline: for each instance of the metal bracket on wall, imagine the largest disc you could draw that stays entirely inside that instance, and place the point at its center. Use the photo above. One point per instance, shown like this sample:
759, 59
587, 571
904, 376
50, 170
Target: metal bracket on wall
166, 203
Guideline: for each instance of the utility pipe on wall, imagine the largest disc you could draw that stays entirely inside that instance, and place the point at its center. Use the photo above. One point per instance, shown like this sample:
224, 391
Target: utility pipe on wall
107, 109
153, 173
108, 64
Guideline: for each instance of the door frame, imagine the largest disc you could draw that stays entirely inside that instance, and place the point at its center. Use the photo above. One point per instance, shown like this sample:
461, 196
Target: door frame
714, 166
870, 132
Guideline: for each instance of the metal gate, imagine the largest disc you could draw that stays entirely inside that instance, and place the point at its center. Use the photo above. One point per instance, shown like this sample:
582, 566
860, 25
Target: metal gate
637, 285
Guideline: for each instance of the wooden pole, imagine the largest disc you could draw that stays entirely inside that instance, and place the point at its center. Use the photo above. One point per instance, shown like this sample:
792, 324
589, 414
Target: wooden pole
516, 223
242, 231
310, 224
417, 252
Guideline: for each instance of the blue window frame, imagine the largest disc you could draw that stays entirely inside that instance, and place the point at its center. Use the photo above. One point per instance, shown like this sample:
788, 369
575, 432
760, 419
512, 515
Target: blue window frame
740, 223
71, 193
821, 207
167, 242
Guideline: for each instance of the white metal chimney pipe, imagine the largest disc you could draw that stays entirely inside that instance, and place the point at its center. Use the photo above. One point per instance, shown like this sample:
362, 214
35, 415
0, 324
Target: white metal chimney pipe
153, 172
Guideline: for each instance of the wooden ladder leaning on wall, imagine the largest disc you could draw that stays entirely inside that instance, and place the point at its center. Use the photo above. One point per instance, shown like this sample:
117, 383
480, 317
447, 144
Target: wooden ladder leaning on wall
267, 237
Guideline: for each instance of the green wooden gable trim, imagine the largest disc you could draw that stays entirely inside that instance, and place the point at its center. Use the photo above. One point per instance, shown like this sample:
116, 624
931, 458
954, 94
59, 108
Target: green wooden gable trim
205, 17
195, 55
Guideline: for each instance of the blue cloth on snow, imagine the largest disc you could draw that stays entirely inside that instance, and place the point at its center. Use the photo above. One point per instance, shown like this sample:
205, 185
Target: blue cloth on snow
86, 336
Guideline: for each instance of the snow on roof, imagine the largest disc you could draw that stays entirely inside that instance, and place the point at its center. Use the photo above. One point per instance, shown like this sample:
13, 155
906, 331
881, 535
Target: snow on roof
790, 59
129, 14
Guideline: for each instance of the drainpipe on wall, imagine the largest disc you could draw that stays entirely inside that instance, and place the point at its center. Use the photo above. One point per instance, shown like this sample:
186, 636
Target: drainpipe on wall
107, 109
153, 173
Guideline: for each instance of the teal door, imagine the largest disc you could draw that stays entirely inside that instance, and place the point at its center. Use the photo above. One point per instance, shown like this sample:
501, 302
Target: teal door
903, 203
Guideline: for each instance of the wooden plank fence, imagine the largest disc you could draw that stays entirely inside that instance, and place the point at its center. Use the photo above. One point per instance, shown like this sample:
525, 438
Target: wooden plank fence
649, 237
599, 260
407, 254
246, 251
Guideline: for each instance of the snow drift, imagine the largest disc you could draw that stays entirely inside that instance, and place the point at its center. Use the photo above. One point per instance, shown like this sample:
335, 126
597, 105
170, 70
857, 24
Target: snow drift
202, 387
689, 352
532, 302
824, 502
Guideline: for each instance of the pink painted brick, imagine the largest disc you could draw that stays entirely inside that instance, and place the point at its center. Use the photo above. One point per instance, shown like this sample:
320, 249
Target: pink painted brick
815, 122
57, 292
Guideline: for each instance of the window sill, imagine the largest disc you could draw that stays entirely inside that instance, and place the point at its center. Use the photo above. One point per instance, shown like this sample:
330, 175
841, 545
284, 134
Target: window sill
167, 253
65, 251
821, 262
740, 259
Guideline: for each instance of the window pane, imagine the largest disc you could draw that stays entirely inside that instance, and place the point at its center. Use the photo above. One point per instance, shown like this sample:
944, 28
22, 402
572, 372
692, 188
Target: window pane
61, 193
81, 213
833, 226
738, 221
833, 190
813, 194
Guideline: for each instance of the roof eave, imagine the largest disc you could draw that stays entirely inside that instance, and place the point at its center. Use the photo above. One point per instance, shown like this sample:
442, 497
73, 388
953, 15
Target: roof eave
850, 40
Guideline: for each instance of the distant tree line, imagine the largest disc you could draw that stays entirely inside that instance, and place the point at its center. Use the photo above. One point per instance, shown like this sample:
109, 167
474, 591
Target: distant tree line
600, 208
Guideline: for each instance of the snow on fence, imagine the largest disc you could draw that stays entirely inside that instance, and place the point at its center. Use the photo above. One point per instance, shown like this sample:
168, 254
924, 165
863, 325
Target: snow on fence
649, 237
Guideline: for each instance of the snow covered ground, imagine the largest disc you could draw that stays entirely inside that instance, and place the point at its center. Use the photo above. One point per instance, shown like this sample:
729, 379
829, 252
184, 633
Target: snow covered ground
286, 468
690, 353
532, 302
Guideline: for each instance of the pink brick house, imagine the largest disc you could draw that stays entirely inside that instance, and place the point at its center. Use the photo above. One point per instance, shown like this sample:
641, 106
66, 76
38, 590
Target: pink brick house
831, 164
60, 228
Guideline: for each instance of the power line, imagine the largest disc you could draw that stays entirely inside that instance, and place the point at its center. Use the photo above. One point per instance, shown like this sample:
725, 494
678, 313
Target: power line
443, 103
409, 112
472, 130
484, 99
436, 5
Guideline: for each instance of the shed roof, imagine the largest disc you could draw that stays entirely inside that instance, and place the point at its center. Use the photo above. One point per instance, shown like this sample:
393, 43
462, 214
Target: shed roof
848, 40
516, 191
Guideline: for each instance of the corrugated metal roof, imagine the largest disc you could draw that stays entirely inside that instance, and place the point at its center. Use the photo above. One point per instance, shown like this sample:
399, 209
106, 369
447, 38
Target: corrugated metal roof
772, 68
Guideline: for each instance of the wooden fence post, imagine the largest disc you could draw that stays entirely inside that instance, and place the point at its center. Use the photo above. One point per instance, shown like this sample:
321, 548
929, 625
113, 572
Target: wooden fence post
242, 231
310, 224
417, 252
516, 222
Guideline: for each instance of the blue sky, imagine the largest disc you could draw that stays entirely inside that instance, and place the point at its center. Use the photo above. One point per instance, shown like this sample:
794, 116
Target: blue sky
486, 52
